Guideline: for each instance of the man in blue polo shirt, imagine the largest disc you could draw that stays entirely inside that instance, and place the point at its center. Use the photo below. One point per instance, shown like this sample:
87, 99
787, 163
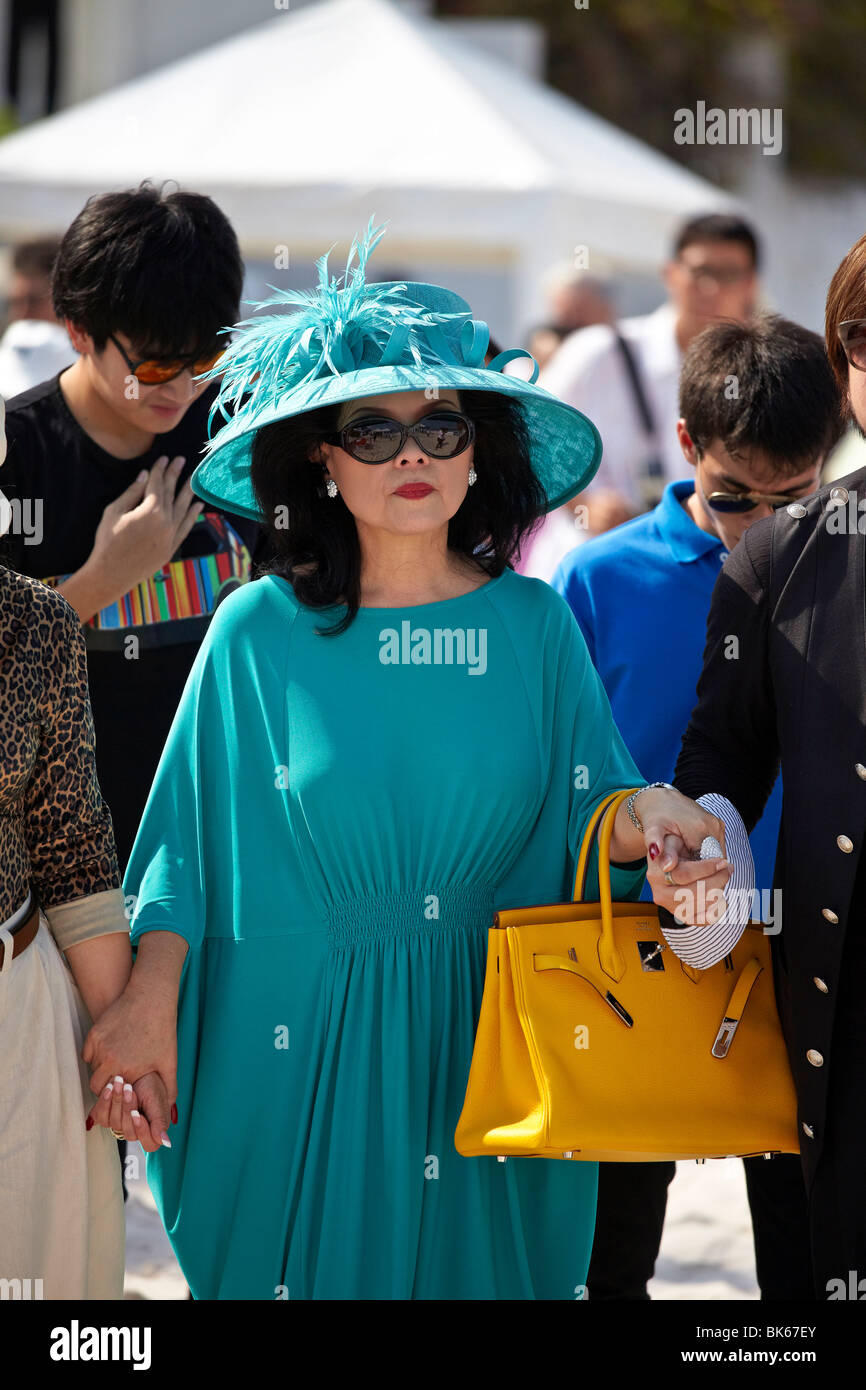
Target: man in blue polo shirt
759, 412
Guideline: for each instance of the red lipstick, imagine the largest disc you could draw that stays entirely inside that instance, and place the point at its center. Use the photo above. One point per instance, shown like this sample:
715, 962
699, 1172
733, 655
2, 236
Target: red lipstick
413, 490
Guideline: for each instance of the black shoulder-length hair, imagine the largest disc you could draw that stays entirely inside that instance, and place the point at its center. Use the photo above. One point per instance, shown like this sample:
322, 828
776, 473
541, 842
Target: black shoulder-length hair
314, 538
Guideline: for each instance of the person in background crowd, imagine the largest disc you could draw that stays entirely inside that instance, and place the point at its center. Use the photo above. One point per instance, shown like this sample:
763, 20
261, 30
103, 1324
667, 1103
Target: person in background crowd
99, 461
574, 299
542, 341
30, 282
792, 594
61, 905
626, 375
577, 299
34, 345
641, 595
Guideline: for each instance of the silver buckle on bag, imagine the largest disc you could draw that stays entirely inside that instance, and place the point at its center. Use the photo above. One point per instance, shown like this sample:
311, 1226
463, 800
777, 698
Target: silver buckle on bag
725, 1036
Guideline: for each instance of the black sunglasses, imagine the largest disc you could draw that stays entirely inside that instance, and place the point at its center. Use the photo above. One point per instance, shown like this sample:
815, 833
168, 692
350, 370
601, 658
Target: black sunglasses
747, 501
376, 439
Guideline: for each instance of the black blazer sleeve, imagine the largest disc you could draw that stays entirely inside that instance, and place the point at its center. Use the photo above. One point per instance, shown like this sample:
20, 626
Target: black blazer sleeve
731, 745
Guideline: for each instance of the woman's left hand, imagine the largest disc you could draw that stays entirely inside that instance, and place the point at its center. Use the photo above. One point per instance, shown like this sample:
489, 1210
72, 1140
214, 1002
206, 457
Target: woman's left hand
674, 829
140, 1112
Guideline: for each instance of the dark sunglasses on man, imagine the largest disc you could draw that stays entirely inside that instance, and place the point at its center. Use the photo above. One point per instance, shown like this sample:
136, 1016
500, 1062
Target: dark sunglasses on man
443, 434
747, 501
153, 371
744, 501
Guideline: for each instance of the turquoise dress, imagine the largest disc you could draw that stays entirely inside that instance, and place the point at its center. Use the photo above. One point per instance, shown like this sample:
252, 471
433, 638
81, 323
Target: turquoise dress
332, 824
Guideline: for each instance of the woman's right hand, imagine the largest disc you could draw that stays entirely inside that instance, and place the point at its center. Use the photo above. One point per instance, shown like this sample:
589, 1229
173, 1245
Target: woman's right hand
136, 1035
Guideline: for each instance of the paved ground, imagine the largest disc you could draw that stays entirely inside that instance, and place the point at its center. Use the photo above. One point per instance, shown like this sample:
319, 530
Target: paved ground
706, 1252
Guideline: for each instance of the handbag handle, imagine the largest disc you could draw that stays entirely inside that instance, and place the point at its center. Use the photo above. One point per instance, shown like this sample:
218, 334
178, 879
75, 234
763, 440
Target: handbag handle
601, 824
589, 837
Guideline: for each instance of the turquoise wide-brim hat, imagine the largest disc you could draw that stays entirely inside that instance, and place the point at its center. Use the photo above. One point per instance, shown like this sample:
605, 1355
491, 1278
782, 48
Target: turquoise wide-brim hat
359, 339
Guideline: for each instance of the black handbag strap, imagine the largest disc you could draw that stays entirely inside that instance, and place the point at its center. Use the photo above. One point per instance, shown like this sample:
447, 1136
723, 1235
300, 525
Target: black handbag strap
650, 473
633, 373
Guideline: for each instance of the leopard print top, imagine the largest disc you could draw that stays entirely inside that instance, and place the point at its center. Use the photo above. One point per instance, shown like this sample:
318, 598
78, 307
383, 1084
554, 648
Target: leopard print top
55, 829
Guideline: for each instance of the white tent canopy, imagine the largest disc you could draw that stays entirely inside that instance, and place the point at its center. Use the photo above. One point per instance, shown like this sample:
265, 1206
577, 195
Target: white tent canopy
308, 123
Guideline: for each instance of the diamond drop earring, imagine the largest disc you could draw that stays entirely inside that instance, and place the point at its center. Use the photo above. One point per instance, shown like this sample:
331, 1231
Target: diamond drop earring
331, 488
472, 474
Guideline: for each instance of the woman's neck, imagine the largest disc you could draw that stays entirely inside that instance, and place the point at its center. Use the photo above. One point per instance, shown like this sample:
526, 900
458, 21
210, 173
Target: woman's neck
405, 571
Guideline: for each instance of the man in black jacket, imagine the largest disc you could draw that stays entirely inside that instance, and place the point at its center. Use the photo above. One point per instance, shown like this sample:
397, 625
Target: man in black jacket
792, 690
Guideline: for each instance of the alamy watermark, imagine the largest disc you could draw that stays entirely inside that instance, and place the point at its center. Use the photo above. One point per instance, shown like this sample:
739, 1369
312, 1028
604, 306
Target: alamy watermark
22, 516
737, 126
853, 1288
24, 1290
845, 513
438, 646
762, 904
77, 1343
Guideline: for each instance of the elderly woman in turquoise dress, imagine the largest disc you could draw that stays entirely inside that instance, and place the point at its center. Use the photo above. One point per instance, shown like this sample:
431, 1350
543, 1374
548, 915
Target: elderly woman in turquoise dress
384, 739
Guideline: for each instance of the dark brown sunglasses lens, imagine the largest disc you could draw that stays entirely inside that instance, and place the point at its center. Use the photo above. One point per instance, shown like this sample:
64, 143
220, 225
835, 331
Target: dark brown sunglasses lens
443, 436
373, 440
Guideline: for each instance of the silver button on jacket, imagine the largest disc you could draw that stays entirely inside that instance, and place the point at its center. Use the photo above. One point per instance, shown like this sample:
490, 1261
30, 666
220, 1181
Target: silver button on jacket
844, 843
829, 914
814, 1057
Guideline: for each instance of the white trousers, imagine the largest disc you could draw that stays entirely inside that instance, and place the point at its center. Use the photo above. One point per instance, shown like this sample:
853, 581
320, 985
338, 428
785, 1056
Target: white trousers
61, 1200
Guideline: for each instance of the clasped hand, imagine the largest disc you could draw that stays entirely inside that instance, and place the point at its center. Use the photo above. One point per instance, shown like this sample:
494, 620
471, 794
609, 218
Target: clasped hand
132, 1053
674, 827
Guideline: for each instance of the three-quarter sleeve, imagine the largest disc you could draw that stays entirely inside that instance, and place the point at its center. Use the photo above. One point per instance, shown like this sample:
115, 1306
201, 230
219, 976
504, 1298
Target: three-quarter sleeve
67, 825
167, 874
600, 762
179, 866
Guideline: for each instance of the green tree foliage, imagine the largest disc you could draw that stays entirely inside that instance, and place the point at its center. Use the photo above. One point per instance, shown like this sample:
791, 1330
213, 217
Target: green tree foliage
636, 62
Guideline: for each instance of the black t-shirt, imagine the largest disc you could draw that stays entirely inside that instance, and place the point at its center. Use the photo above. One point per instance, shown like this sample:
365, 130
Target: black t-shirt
58, 481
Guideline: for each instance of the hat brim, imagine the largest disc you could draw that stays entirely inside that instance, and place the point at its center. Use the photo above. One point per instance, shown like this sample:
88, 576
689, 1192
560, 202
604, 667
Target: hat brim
565, 446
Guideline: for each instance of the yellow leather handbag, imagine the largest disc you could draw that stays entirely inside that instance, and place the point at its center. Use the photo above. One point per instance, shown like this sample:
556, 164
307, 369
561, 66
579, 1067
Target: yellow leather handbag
596, 1042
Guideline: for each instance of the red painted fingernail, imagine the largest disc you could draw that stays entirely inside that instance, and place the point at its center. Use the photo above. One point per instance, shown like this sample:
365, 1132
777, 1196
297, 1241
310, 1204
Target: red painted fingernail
174, 1114
88, 1124
654, 851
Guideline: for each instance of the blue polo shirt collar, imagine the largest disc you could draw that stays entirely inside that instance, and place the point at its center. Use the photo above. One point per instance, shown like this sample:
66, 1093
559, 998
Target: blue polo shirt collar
686, 541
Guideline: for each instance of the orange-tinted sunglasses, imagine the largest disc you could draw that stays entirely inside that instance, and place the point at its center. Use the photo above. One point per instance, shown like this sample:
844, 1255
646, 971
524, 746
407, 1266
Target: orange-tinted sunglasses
151, 371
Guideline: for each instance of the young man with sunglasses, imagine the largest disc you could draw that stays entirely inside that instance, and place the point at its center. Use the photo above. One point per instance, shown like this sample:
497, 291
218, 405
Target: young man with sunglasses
99, 463
759, 411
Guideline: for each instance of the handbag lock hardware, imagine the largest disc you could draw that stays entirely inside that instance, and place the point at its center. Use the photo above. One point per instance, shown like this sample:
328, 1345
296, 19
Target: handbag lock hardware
724, 1036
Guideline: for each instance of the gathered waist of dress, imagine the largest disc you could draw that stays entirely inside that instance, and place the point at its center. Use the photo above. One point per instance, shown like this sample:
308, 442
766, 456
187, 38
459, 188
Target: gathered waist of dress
411, 912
